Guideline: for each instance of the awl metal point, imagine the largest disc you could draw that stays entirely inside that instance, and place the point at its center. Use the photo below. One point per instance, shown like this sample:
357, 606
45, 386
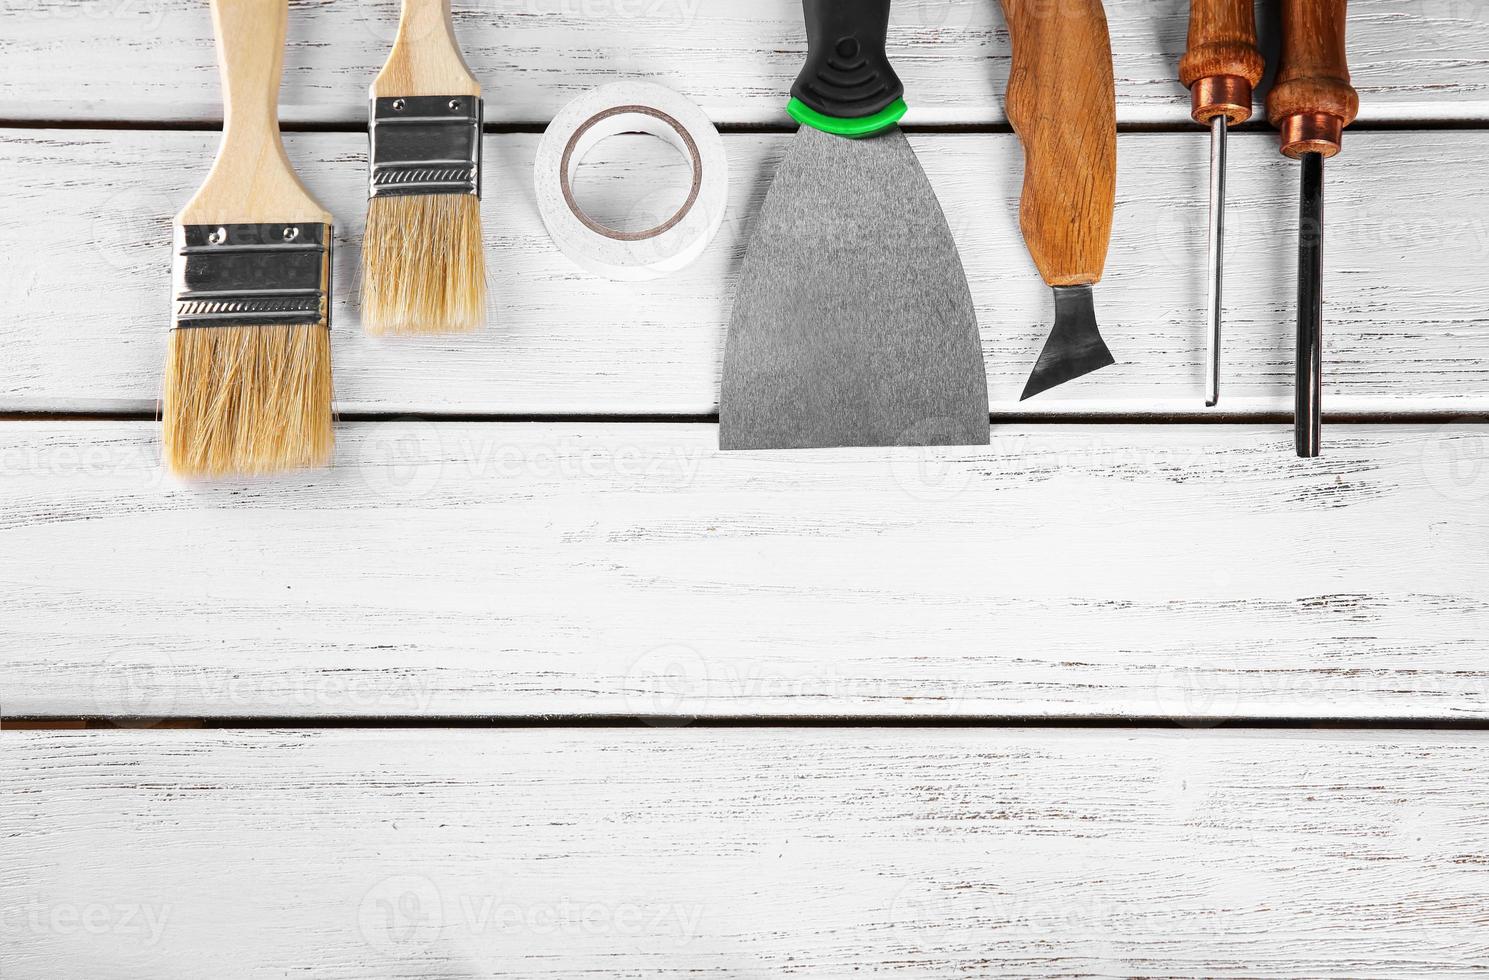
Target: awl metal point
1221, 69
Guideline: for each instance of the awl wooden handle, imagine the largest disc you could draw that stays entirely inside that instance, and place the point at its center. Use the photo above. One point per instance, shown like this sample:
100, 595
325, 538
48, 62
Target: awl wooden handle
1223, 64
1313, 101
1062, 103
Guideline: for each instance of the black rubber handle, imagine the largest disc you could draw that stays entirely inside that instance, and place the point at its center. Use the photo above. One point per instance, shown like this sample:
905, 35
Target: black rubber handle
847, 74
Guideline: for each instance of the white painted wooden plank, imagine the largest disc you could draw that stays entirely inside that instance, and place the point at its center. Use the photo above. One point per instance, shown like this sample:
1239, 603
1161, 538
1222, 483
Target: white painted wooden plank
1408, 303
821, 853
523, 569
154, 60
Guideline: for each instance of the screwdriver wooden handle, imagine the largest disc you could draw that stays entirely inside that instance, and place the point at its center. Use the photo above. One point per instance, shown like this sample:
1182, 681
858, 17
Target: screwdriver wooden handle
1223, 64
1313, 101
1062, 102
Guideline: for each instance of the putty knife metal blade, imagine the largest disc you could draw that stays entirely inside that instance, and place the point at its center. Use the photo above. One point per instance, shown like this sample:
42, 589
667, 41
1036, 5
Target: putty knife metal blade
853, 324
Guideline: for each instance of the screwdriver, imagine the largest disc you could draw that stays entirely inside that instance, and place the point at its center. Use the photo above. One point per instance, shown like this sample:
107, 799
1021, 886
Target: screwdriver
1220, 68
1310, 104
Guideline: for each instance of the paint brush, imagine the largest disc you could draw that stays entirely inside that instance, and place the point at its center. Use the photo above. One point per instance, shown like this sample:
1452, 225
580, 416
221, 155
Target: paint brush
248, 373
422, 265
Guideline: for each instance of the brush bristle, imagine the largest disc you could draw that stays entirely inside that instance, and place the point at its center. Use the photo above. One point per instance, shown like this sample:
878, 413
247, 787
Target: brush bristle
248, 400
423, 267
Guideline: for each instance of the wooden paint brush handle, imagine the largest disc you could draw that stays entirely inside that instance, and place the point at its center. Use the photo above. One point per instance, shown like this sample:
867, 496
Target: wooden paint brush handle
426, 58
250, 58
1223, 63
1313, 100
1062, 103
251, 180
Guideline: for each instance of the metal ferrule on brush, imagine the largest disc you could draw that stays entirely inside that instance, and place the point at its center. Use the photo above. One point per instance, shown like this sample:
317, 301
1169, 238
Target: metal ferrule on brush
252, 275
428, 144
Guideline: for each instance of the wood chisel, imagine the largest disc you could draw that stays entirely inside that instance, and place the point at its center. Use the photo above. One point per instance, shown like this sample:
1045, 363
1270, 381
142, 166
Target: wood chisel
1310, 104
853, 324
1062, 103
1221, 69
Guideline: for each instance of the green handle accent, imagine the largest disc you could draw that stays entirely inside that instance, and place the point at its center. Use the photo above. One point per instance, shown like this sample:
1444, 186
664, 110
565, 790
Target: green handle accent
851, 128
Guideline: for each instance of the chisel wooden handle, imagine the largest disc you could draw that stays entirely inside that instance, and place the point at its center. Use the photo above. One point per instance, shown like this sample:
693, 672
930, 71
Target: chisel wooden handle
1312, 101
1062, 102
1223, 64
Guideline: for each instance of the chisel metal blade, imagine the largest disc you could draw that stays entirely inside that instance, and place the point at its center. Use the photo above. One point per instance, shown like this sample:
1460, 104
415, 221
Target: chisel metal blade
1074, 346
853, 324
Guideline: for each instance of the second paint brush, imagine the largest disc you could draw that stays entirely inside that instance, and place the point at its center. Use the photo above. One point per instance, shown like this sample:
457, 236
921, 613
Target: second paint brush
423, 270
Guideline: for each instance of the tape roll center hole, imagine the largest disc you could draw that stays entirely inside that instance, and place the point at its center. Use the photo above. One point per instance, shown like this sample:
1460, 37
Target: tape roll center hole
639, 121
630, 182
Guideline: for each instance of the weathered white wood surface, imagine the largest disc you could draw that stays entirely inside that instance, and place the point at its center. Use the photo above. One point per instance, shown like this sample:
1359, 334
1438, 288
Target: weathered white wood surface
86, 278
744, 853
523, 569
1194, 572
152, 59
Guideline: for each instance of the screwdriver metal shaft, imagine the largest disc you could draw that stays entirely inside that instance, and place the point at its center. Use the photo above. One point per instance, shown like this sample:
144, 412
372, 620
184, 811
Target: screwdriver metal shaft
1218, 128
1310, 104
1309, 365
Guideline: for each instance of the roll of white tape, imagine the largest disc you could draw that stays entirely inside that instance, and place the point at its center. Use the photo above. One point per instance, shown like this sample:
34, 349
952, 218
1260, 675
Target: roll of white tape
631, 107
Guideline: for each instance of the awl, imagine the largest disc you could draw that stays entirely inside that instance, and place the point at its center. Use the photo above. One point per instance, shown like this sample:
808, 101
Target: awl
1311, 103
1220, 69
1062, 103
853, 324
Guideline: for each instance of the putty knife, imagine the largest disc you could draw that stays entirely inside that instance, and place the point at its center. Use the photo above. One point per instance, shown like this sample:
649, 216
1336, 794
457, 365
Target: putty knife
1062, 102
853, 324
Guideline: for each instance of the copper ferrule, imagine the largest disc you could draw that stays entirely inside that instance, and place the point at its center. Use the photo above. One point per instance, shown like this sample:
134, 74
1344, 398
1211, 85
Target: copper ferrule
1311, 132
1221, 95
